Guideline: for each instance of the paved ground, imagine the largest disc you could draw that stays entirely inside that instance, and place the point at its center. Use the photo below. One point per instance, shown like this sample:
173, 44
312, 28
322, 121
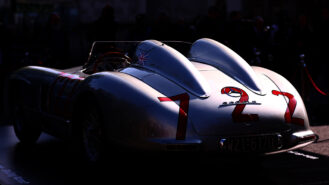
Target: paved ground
322, 146
48, 163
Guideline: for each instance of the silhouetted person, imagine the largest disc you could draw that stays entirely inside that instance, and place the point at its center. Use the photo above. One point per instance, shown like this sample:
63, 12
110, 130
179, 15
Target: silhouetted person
55, 43
321, 40
141, 30
2, 68
105, 27
212, 26
182, 31
162, 29
236, 32
303, 35
284, 53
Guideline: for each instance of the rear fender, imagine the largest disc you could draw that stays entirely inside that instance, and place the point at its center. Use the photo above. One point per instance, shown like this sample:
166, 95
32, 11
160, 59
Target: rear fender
132, 110
295, 112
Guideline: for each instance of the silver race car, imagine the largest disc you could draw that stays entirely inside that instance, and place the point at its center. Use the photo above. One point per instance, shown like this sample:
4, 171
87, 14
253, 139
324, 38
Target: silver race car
161, 96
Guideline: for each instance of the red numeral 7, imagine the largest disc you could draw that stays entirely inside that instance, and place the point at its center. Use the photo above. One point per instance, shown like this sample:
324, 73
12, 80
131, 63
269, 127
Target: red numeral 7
183, 111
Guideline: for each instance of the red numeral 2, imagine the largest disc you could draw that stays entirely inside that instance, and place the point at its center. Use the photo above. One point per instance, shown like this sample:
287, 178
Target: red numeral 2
290, 109
237, 115
182, 116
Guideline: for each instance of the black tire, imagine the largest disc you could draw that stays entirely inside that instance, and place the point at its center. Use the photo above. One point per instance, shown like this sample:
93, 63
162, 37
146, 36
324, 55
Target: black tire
89, 135
26, 128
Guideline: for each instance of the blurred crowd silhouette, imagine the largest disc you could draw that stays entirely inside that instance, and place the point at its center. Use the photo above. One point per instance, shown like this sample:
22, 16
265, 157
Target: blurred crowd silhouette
275, 44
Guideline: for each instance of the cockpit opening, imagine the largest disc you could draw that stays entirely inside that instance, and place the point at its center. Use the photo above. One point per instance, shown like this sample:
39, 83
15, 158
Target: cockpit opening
105, 56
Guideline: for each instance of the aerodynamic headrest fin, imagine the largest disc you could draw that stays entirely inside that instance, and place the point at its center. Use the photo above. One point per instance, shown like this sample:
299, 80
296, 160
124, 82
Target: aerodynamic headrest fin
211, 52
171, 64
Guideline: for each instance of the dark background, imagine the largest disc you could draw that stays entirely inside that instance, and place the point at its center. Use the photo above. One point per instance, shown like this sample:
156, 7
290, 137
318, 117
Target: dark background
268, 33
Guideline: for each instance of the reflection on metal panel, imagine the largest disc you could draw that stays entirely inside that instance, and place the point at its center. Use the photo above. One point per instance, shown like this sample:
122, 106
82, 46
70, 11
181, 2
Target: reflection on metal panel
224, 59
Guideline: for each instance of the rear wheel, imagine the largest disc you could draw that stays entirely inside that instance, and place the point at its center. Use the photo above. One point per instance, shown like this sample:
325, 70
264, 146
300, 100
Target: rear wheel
92, 136
89, 135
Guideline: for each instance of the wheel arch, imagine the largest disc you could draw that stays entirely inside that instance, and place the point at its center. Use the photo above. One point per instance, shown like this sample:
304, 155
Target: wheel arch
15, 87
82, 101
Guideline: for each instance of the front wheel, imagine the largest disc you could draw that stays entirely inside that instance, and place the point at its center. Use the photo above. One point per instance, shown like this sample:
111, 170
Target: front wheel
26, 129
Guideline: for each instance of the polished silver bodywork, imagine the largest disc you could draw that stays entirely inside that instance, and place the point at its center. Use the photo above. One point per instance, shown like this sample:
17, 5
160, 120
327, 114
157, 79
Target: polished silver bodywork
168, 101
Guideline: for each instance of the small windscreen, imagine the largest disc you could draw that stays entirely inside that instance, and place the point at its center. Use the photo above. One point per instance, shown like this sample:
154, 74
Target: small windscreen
128, 48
